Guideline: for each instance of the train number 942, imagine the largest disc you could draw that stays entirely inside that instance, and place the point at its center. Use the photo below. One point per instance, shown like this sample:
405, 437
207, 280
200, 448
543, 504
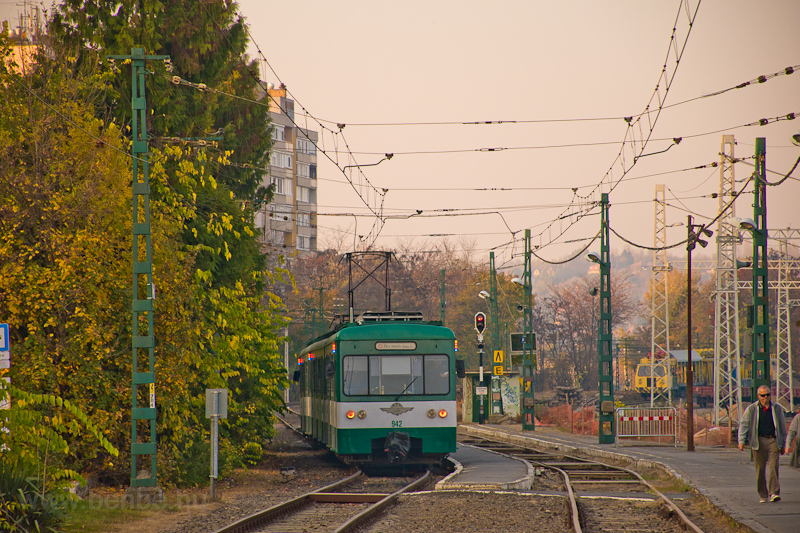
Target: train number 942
397, 423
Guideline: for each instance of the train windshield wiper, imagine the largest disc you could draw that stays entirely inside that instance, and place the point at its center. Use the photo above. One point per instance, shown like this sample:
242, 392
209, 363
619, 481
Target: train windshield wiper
407, 386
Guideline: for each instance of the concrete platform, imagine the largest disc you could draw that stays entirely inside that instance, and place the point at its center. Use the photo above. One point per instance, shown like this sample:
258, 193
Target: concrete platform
724, 475
483, 469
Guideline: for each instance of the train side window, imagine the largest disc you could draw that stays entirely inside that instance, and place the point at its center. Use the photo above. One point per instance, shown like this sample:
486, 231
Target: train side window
354, 375
437, 374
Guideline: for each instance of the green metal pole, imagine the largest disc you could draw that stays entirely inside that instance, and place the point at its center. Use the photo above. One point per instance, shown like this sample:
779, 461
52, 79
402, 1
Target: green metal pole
605, 363
321, 329
497, 351
760, 273
143, 292
528, 350
442, 301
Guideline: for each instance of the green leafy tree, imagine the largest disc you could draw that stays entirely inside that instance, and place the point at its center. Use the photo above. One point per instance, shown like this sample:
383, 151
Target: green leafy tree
65, 267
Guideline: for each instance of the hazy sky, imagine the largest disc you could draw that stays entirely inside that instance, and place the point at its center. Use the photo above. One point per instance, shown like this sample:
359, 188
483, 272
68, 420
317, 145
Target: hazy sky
378, 62
420, 61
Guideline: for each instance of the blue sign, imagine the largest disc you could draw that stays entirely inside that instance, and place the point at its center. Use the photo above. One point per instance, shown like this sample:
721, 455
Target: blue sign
4, 337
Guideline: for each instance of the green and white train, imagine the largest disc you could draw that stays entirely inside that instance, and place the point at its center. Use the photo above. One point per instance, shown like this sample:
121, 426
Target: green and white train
381, 390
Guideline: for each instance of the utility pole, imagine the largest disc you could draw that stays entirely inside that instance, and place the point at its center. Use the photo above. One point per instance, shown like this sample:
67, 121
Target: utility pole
442, 300
659, 331
695, 234
321, 313
690, 244
497, 360
760, 272
605, 363
144, 292
528, 355
727, 367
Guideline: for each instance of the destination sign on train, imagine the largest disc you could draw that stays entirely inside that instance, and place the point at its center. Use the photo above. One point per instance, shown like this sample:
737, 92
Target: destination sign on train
395, 345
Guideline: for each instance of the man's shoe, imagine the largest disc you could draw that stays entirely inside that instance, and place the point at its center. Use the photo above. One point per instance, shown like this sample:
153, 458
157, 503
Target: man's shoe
774, 498
762, 500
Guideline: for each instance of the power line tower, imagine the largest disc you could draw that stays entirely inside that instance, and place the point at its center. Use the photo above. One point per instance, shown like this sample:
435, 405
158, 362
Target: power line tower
783, 354
605, 364
659, 331
727, 365
761, 325
143, 363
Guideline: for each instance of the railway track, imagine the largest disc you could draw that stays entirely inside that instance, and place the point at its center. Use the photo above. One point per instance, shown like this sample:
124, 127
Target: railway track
340, 507
630, 507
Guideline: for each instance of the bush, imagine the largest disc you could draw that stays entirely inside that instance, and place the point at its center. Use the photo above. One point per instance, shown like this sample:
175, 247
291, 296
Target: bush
252, 453
23, 506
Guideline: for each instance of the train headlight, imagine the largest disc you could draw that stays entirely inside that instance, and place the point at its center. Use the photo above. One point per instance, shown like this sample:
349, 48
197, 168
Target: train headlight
351, 414
442, 413
362, 414
431, 413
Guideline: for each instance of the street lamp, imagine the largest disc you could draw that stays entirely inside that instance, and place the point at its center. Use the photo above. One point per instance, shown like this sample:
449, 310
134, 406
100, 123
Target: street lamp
748, 224
796, 138
695, 234
594, 257
484, 295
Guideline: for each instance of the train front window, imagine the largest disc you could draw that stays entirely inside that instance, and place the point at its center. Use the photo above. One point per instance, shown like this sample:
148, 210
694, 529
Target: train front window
354, 375
395, 375
437, 374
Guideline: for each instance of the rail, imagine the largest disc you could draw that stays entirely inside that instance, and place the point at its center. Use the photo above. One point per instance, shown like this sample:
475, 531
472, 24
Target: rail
576, 470
326, 495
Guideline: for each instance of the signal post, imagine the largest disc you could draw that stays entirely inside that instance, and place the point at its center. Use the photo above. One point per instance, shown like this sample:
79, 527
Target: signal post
481, 389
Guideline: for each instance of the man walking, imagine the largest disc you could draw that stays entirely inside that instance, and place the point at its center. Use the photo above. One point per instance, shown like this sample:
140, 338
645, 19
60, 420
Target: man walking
763, 427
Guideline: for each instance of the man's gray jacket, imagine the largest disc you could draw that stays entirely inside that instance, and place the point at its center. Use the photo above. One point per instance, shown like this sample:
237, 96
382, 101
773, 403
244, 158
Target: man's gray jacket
748, 425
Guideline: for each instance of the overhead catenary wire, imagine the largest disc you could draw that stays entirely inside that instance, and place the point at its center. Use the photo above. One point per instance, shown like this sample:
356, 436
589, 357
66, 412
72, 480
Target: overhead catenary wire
378, 224
761, 122
667, 247
757, 80
663, 107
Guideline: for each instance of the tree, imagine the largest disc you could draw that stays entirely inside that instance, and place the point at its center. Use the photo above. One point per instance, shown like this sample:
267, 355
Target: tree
65, 268
570, 327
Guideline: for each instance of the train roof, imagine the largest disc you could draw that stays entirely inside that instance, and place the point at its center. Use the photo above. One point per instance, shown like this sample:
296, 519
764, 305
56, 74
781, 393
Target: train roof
393, 324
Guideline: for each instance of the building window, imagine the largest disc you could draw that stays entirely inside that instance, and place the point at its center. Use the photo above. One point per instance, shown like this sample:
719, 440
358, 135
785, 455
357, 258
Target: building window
313, 172
305, 146
303, 194
276, 237
303, 170
304, 219
303, 242
283, 186
278, 133
281, 160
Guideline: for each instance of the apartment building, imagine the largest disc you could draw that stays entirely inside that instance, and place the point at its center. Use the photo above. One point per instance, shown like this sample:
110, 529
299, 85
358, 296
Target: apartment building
288, 224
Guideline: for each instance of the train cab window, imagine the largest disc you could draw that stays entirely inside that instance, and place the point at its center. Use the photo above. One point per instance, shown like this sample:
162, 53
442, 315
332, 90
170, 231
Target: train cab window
437, 374
396, 374
644, 371
392, 375
354, 375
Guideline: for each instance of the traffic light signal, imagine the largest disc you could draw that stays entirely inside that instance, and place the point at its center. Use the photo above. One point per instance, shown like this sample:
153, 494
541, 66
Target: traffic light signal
480, 322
